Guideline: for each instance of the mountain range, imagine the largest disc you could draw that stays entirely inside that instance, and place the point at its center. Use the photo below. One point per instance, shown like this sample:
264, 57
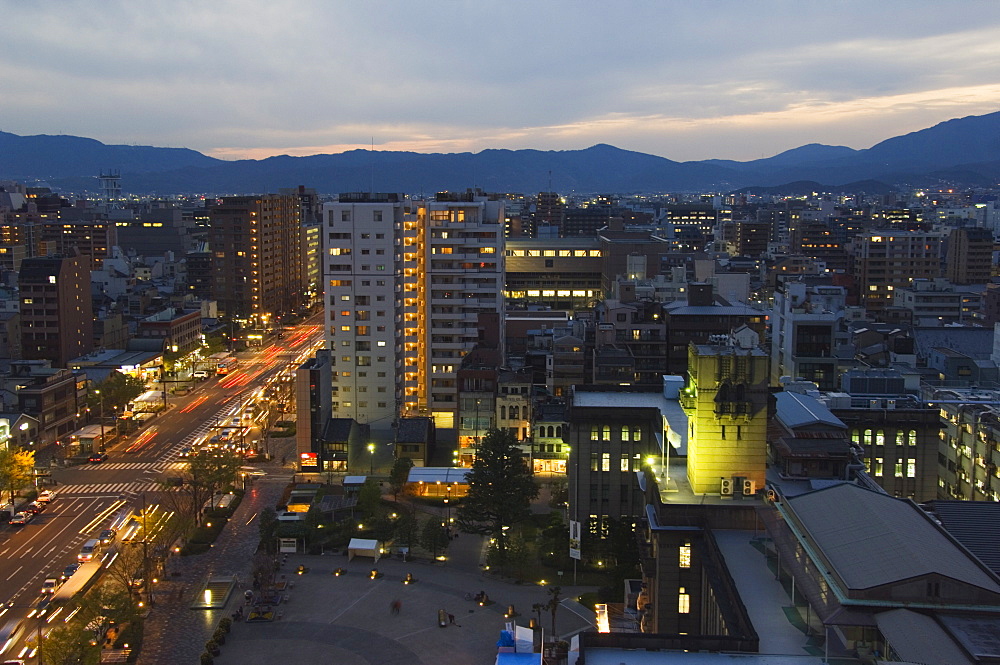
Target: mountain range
963, 152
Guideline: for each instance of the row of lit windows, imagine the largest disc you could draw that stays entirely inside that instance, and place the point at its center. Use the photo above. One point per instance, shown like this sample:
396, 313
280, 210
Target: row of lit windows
877, 468
603, 433
877, 437
551, 293
602, 462
554, 252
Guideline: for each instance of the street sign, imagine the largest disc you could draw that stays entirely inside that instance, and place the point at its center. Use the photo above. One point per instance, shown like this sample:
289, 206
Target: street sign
574, 540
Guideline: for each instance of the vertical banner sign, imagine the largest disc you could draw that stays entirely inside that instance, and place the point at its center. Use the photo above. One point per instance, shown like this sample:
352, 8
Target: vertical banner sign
574, 540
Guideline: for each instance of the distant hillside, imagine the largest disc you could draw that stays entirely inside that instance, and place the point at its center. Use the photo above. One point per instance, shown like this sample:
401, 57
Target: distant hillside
960, 152
46, 157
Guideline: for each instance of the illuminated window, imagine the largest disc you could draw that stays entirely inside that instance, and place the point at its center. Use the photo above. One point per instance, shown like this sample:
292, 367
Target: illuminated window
605, 461
684, 556
911, 467
878, 467
880, 438
606, 433
594, 433
683, 601
623, 466
912, 437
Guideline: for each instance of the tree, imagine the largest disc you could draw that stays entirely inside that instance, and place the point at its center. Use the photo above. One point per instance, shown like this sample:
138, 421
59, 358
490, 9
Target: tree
399, 474
69, 644
555, 596
406, 528
267, 524
129, 562
500, 489
370, 499
116, 391
209, 472
16, 467
433, 537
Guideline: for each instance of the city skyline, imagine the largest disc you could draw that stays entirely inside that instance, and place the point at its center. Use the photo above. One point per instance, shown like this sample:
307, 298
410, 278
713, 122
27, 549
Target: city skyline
678, 80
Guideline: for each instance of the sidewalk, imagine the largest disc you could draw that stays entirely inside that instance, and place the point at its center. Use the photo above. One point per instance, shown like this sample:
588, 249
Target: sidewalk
174, 633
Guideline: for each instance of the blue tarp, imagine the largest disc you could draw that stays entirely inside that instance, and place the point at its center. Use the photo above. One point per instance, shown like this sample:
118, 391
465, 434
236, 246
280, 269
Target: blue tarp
519, 658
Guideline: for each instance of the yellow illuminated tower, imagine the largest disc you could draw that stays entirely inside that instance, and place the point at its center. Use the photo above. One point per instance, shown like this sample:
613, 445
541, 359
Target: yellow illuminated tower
726, 403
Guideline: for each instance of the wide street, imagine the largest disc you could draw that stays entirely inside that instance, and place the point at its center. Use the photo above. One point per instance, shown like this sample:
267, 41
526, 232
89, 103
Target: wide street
89, 495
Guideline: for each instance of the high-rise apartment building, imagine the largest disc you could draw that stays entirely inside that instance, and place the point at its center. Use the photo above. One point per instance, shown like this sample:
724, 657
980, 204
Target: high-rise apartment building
405, 282
969, 259
256, 258
886, 260
57, 321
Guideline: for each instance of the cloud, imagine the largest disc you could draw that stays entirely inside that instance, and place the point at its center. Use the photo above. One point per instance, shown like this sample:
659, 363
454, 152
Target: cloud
683, 80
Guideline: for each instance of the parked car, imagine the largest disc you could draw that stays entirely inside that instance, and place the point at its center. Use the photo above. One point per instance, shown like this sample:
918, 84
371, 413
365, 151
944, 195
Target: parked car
20, 519
45, 496
200, 374
97, 458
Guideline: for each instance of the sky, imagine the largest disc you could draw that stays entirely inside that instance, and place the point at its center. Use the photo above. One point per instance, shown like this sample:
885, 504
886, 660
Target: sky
685, 80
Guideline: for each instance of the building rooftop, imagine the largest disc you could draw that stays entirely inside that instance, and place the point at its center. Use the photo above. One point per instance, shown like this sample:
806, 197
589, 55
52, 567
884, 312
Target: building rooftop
895, 539
796, 410
670, 409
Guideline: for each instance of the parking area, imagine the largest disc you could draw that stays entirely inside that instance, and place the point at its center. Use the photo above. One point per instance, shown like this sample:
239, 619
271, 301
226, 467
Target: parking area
348, 619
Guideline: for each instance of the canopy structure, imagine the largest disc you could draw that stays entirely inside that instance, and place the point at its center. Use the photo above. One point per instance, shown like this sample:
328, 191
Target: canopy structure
362, 547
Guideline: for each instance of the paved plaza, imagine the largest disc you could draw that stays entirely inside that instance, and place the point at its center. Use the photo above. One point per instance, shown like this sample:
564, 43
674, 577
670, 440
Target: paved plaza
345, 619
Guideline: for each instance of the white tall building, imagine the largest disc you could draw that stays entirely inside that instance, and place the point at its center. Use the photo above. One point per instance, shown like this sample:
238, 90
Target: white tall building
404, 283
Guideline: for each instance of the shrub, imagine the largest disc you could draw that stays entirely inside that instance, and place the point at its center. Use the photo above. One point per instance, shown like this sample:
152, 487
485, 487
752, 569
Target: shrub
226, 624
206, 659
195, 548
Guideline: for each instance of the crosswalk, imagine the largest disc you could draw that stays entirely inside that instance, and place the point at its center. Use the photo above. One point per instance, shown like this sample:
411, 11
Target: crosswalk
112, 488
117, 466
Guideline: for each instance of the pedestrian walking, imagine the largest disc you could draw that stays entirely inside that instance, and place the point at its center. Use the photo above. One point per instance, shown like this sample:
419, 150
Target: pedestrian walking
394, 607
451, 620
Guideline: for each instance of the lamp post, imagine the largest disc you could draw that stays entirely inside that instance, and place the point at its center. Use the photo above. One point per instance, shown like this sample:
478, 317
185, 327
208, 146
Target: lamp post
101, 397
447, 502
371, 461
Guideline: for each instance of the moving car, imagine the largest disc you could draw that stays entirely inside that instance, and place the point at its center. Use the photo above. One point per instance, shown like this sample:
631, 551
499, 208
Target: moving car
50, 585
90, 550
34, 508
107, 536
200, 374
68, 571
97, 458
20, 519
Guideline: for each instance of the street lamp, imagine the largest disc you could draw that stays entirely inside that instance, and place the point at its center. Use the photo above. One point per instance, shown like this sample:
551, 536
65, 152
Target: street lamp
447, 502
101, 397
371, 462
